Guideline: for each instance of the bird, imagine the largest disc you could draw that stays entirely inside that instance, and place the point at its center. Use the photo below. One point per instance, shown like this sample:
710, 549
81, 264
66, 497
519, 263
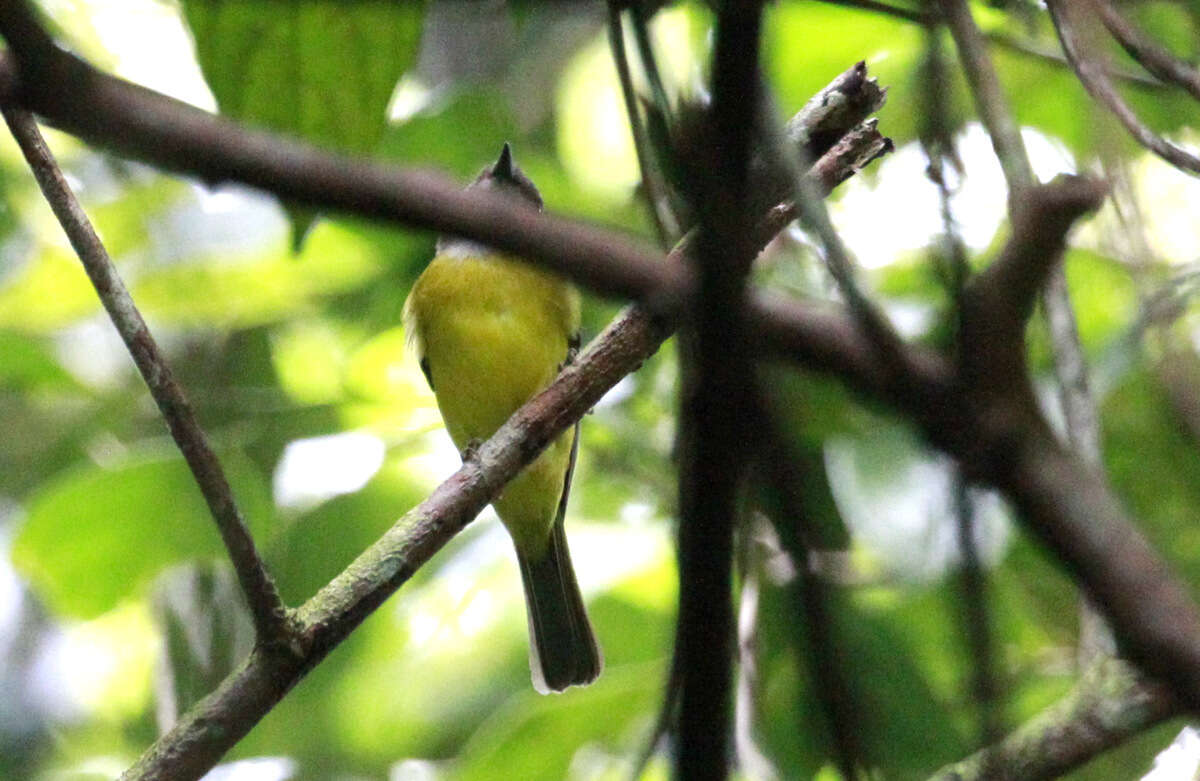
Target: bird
490, 332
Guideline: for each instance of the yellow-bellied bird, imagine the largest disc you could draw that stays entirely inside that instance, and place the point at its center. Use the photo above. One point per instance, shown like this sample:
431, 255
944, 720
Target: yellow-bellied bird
491, 332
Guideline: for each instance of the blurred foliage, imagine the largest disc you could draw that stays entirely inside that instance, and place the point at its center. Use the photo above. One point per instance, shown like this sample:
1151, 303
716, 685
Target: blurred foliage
123, 611
321, 71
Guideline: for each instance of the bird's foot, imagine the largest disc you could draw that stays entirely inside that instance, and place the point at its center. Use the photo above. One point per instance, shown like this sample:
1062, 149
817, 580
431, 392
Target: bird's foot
471, 450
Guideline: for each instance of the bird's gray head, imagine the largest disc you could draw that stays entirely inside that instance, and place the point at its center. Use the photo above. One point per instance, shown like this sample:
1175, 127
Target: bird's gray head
506, 177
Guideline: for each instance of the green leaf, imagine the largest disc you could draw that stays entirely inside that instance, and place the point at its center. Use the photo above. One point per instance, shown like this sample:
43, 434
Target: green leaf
319, 544
458, 134
98, 534
258, 286
535, 737
879, 663
28, 364
320, 70
1151, 460
51, 290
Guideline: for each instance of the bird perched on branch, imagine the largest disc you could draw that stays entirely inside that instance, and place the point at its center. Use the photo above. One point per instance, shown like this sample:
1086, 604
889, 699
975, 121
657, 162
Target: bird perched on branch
491, 332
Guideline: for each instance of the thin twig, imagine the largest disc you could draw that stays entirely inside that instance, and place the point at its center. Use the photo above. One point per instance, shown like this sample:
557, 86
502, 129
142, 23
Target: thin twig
874, 323
1075, 395
664, 221
748, 699
815, 636
1055, 57
989, 97
857, 149
1154, 58
641, 35
667, 714
851, 93
886, 9
977, 622
937, 140
1096, 81
266, 607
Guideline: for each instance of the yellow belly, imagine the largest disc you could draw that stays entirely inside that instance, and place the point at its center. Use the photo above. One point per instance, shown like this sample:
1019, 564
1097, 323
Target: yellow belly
495, 332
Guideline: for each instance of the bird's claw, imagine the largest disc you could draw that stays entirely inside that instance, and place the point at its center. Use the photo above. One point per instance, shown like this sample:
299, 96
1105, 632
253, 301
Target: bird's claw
471, 450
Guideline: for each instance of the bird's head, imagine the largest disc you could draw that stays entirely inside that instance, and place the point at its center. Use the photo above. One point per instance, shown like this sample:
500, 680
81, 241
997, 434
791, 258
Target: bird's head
506, 177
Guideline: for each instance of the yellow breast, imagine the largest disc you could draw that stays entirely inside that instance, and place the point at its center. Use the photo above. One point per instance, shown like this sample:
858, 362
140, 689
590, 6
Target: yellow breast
494, 332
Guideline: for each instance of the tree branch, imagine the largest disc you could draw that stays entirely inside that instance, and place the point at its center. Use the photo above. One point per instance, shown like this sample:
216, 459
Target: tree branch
1002, 439
1147, 53
718, 409
267, 609
1078, 407
1096, 81
122, 117
824, 119
1110, 704
652, 186
989, 97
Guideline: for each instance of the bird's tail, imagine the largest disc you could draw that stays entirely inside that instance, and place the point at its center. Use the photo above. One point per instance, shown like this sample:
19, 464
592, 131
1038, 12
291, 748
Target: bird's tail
562, 648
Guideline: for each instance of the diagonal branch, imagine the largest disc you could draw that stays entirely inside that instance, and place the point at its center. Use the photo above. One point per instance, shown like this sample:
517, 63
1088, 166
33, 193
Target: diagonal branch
116, 115
1111, 704
1096, 81
1154, 58
267, 609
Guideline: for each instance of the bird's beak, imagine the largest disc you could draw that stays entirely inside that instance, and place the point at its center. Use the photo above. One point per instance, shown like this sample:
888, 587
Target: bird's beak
503, 169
